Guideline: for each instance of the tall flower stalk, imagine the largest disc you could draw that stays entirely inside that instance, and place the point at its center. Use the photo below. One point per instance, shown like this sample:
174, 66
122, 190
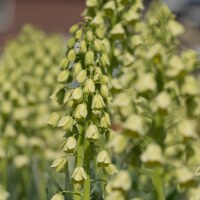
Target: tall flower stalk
85, 97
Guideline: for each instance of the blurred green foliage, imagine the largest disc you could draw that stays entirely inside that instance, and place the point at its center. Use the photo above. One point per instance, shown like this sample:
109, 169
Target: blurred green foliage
28, 70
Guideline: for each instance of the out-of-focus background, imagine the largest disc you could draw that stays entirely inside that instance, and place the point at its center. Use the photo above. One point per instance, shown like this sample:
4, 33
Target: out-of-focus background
59, 15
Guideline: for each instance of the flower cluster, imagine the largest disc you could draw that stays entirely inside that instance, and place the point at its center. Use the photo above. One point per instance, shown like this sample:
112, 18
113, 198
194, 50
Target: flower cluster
158, 107
83, 91
118, 18
27, 75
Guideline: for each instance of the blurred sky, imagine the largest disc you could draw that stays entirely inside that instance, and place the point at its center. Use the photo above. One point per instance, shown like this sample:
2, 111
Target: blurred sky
59, 15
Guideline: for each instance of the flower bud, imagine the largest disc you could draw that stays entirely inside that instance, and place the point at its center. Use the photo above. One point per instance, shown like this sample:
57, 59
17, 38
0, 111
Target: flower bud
104, 60
103, 159
82, 76
83, 46
92, 133
64, 64
77, 69
73, 29
89, 36
71, 42
97, 102
89, 58
66, 123
104, 91
81, 111
53, 119
111, 169
104, 79
70, 145
99, 33
77, 94
79, 175
105, 121
71, 55
58, 197
97, 45
79, 34
63, 76
89, 86
60, 164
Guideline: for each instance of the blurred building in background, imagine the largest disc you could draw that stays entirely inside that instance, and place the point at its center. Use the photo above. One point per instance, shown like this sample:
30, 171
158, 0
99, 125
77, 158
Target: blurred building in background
50, 15
59, 15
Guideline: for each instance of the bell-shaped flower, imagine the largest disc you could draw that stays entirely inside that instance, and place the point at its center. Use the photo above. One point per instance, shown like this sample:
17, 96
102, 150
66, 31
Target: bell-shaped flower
175, 28
98, 45
118, 143
60, 164
185, 177
104, 91
109, 7
83, 46
176, 67
66, 122
77, 94
81, 111
103, 159
92, 133
89, 86
89, 58
134, 124
146, 82
111, 169
162, 102
152, 155
70, 145
81, 77
79, 175
190, 86
53, 119
118, 31
98, 102
99, 33
122, 181
105, 121
77, 69
105, 60
187, 129
64, 64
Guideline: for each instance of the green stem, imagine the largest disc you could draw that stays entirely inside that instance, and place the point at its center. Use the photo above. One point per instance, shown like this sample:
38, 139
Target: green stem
158, 184
86, 189
79, 162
